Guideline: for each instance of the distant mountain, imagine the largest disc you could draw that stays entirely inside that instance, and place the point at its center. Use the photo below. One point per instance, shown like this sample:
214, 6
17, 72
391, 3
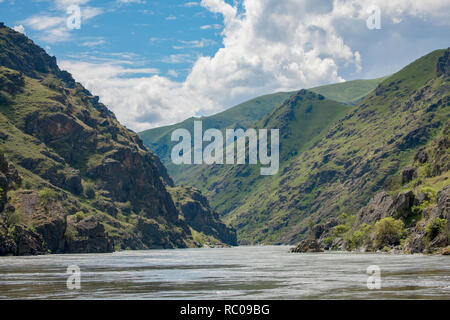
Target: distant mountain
337, 158
73, 179
245, 115
350, 92
303, 119
364, 152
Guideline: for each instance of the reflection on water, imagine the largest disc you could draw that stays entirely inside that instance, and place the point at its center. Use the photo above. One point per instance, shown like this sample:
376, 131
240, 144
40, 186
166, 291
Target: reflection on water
232, 273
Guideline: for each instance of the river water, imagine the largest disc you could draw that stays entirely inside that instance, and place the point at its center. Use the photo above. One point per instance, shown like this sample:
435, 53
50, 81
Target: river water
264, 272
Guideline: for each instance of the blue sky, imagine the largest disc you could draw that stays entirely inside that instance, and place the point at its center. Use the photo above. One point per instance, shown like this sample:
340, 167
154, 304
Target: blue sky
159, 62
166, 35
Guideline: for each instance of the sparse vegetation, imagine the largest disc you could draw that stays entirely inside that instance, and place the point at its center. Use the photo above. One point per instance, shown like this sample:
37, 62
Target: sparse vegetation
361, 237
436, 227
388, 232
47, 196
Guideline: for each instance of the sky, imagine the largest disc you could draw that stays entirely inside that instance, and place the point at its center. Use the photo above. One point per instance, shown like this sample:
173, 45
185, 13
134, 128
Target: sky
156, 63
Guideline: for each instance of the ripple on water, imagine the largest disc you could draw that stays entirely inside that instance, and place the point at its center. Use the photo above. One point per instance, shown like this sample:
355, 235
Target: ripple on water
263, 272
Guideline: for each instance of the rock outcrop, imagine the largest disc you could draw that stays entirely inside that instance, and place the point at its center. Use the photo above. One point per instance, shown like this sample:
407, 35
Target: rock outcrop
90, 184
199, 216
384, 205
307, 246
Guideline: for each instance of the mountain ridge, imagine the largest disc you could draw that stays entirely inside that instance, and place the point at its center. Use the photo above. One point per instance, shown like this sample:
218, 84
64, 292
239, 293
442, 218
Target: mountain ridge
362, 152
88, 184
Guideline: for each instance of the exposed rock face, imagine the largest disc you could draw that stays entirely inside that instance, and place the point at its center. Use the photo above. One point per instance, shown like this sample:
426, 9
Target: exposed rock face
8, 177
325, 228
85, 173
443, 202
380, 206
32, 59
307, 246
89, 237
383, 205
198, 214
424, 213
27, 242
443, 65
418, 242
408, 174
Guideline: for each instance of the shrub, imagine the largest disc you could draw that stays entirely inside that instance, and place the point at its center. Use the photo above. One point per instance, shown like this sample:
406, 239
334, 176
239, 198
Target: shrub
428, 171
47, 195
340, 229
435, 227
89, 191
361, 237
387, 232
13, 218
5, 98
70, 233
80, 215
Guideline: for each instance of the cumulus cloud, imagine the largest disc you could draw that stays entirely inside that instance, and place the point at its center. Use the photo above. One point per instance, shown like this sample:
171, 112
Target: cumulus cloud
268, 46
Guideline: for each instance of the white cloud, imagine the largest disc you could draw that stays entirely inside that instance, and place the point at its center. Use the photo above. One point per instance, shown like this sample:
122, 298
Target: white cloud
94, 43
54, 28
172, 73
211, 26
131, 1
178, 58
191, 4
194, 44
20, 28
171, 17
272, 46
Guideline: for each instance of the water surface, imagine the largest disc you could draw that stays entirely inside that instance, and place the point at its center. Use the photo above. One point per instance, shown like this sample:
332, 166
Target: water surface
265, 272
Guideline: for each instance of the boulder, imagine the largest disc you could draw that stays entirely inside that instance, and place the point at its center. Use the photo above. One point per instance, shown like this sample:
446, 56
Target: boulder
383, 205
90, 237
378, 207
307, 246
408, 174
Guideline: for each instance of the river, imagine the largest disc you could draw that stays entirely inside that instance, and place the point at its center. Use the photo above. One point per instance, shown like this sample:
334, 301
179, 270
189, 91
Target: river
262, 272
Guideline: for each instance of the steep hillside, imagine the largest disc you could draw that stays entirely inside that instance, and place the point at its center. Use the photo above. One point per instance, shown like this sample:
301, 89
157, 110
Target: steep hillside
412, 216
88, 184
240, 116
350, 92
244, 116
362, 153
302, 119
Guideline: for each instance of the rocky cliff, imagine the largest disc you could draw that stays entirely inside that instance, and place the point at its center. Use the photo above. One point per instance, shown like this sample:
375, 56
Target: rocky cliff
412, 216
88, 184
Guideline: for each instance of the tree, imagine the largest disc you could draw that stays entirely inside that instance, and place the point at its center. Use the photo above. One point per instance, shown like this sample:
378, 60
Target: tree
388, 232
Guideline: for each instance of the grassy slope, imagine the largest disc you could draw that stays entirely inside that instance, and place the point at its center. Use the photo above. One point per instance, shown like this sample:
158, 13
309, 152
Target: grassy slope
303, 119
158, 139
243, 116
351, 92
358, 156
53, 129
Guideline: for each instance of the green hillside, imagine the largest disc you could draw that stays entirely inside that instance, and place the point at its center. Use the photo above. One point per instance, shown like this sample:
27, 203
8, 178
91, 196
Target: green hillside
303, 119
245, 115
350, 92
240, 116
362, 153
73, 179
